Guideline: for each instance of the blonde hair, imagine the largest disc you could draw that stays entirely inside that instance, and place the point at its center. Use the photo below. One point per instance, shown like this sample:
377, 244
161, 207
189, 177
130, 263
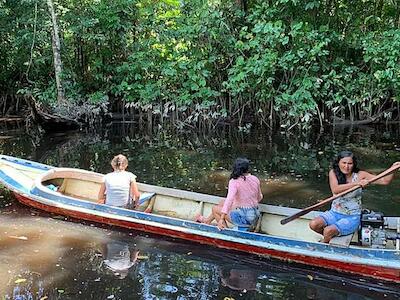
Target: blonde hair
119, 162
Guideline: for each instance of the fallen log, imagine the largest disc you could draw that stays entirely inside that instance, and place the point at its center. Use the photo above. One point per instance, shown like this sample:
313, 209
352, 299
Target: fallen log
49, 120
9, 119
376, 119
369, 120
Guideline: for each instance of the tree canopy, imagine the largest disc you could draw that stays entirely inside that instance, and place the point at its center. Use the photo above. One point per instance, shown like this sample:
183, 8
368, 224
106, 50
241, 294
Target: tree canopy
277, 63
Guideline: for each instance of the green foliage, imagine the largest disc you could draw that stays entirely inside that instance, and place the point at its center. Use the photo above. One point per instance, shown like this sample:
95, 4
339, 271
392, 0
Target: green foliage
204, 60
382, 53
173, 65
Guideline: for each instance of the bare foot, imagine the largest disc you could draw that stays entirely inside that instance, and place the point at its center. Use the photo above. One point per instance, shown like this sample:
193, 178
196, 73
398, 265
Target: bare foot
200, 219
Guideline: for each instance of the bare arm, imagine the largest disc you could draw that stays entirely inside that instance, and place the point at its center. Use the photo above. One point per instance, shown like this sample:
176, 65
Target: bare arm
222, 222
363, 177
135, 192
101, 198
232, 190
260, 195
383, 181
337, 188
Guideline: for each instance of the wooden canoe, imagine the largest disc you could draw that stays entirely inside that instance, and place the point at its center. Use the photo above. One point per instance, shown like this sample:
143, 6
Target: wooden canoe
173, 212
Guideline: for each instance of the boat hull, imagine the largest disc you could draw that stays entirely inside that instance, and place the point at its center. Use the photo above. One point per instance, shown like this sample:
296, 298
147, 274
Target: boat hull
376, 272
172, 216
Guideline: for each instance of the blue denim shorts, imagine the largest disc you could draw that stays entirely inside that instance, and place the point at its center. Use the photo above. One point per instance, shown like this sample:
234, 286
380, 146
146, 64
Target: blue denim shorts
345, 224
244, 215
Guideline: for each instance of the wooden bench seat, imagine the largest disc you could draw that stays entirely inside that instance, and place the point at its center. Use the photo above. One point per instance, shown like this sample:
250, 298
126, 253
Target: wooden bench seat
341, 241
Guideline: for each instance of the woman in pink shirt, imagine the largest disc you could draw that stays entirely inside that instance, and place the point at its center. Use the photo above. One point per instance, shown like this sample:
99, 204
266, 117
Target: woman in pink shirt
241, 204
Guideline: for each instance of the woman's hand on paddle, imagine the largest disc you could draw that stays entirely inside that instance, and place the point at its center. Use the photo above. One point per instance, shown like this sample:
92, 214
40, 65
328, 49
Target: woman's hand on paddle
396, 164
363, 183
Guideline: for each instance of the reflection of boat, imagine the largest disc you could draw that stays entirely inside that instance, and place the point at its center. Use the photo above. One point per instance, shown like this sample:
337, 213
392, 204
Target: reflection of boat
173, 211
223, 269
119, 257
239, 279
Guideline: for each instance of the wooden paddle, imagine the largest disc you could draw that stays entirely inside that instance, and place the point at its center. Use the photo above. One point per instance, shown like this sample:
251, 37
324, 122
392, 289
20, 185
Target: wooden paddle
326, 201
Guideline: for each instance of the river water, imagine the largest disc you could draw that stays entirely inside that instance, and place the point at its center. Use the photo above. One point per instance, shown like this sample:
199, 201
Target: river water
44, 256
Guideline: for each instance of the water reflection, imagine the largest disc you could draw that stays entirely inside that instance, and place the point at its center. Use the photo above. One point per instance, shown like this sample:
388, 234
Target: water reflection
33, 249
239, 279
28, 288
56, 258
292, 166
292, 178
119, 257
46, 256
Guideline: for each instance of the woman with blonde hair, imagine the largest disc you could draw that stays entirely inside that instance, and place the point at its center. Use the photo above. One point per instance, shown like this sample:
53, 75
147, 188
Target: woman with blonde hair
119, 186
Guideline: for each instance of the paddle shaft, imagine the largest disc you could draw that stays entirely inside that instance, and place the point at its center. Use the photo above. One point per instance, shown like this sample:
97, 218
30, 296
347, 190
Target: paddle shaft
330, 199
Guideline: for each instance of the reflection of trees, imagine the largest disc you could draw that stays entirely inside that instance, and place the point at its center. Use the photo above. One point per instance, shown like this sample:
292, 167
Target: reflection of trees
67, 150
63, 260
293, 166
164, 275
170, 272
6, 196
19, 145
38, 256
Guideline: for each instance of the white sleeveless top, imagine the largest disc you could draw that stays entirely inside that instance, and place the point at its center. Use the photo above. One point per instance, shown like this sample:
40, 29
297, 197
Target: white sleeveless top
349, 204
118, 187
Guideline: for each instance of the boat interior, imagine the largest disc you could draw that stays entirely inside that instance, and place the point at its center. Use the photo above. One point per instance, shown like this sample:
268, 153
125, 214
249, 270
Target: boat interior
174, 203
186, 205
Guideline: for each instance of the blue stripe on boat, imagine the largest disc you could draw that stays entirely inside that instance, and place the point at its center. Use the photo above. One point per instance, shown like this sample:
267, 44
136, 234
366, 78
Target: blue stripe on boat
383, 256
26, 163
357, 253
13, 184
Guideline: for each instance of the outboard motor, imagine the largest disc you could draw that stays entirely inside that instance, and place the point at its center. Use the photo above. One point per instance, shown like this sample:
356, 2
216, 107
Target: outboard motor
372, 232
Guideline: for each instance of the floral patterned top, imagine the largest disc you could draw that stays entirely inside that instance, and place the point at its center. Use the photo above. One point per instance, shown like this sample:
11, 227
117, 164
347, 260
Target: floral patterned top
349, 204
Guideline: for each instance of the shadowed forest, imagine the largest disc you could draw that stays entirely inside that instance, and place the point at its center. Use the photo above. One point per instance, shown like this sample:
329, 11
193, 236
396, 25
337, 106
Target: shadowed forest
197, 64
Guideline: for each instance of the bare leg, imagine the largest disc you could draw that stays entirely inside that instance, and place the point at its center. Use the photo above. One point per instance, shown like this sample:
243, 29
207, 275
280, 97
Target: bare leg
211, 217
329, 233
216, 212
317, 224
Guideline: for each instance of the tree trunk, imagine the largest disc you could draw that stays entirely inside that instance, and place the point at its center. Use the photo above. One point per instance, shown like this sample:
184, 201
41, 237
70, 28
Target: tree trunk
242, 4
56, 53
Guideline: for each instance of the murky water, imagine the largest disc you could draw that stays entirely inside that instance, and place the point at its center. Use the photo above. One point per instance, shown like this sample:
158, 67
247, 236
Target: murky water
47, 256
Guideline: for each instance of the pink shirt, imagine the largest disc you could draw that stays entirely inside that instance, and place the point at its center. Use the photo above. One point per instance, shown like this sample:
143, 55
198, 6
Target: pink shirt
242, 193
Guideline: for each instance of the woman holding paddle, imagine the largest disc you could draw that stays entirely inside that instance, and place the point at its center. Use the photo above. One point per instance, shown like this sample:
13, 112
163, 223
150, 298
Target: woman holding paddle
344, 216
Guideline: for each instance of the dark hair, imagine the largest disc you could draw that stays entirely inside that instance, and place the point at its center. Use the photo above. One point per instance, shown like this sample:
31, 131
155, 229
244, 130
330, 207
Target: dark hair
240, 167
341, 178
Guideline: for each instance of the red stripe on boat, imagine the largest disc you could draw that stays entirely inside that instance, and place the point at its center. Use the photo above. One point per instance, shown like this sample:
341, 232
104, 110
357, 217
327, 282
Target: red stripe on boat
376, 272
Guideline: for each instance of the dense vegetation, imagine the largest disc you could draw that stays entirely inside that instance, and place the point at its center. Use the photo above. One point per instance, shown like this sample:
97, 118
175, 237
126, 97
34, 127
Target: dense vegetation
199, 62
